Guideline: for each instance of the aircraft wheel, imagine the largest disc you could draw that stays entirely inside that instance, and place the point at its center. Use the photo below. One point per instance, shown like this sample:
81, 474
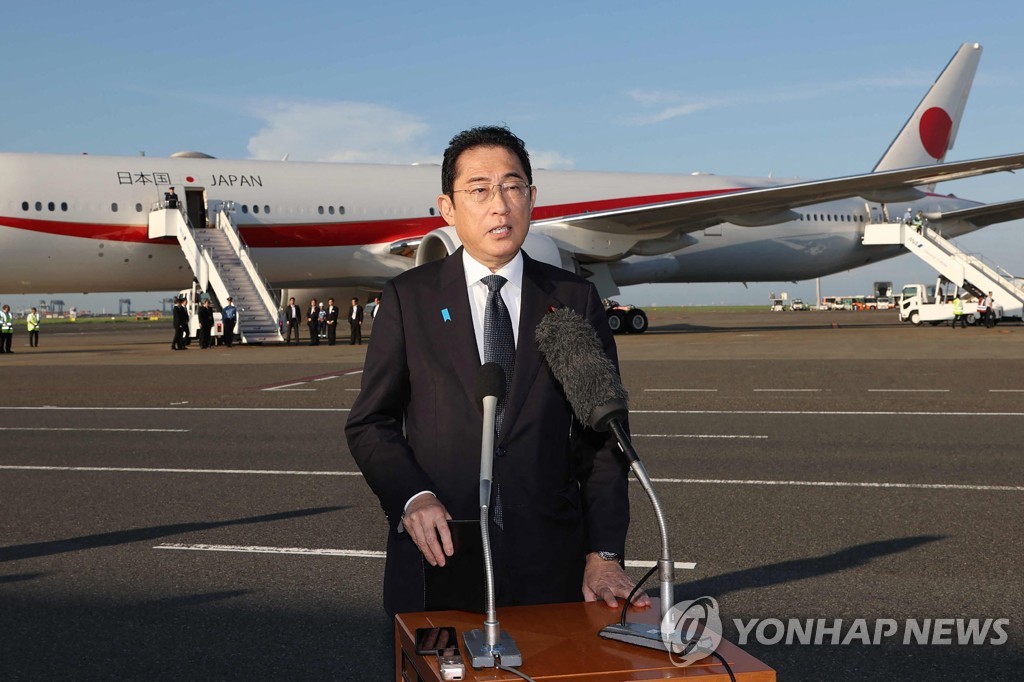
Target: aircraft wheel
616, 321
636, 321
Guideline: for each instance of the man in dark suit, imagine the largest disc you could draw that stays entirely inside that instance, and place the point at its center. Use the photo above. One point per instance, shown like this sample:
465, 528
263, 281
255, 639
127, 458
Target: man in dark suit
180, 324
561, 507
313, 323
332, 322
355, 323
292, 319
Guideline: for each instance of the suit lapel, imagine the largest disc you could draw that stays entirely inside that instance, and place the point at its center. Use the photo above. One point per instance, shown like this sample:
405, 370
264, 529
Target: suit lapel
453, 323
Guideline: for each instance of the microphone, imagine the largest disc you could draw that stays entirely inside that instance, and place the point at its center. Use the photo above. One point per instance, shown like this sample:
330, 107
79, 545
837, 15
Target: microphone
576, 358
489, 647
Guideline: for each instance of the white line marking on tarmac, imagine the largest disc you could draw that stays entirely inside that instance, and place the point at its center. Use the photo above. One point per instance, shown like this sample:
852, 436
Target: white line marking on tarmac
706, 481
42, 428
787, 390
288, 387
908, 390
1006, 390
335, 376
352, 553
837, 413
845, 484
160, 470
255, 549
686, 565
692, 435
682, 390
49, 408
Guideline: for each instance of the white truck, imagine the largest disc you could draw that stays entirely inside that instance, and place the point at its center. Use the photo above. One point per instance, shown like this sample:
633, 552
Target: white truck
193, 301
919, 304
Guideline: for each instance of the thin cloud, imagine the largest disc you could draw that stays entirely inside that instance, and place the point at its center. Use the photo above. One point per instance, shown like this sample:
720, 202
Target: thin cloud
669, 105
550, 160
353, 132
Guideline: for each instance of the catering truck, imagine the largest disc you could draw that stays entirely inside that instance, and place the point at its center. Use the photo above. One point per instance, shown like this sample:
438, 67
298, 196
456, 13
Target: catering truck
920, 304
194, 298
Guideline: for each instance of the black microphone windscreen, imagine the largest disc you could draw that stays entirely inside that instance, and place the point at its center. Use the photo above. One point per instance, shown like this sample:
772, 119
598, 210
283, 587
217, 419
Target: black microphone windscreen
577, 360
490, 381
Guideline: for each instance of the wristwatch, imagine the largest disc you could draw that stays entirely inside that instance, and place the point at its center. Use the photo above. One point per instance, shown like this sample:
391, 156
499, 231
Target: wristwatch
610, 556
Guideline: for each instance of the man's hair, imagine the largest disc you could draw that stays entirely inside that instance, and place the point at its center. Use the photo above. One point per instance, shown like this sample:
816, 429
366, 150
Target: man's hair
481, 136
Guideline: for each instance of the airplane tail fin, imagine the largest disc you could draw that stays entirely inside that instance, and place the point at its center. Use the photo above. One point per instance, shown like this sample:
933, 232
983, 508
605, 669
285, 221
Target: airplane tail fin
932, 128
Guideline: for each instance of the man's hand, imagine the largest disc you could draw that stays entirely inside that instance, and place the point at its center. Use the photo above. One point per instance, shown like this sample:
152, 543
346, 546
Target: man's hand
605, 580
426, 522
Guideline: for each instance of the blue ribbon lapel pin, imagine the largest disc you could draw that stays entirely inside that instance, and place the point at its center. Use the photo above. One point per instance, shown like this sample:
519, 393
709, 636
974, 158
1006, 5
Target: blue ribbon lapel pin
445, 315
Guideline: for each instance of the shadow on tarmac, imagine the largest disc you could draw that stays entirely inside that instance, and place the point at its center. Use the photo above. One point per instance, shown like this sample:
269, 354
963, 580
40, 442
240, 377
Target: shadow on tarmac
122, 537
797, 569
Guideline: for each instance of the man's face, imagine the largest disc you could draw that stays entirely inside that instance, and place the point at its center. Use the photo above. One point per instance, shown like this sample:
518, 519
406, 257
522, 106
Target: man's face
492, 232
291, 301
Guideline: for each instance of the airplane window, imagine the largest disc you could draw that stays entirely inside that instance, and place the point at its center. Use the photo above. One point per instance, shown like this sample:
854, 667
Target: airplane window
431, 210
113, 207
24, 206
50, 206
341, 210
266, 209
64, 206
330, 209
138, 208
320, 210
39, 206
255, 208
245, 208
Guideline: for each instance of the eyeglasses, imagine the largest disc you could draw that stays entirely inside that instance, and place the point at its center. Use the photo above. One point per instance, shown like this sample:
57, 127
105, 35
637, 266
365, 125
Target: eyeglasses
480, 194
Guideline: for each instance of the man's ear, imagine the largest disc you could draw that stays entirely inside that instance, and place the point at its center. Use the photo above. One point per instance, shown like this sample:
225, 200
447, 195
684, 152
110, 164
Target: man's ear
447, 208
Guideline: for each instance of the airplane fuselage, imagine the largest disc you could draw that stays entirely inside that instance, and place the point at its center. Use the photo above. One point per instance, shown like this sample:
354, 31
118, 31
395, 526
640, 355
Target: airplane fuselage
80, 223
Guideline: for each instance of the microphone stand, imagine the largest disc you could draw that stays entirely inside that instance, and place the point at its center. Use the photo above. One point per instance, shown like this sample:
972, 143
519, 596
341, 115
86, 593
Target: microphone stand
490, 647
643, 634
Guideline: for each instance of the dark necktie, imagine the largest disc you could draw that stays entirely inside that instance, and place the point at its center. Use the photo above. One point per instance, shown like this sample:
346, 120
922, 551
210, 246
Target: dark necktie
499, 347
499, 341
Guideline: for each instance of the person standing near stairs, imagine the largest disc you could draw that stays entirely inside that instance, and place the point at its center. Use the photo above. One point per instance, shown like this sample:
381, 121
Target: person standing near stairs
230, 316
313, 323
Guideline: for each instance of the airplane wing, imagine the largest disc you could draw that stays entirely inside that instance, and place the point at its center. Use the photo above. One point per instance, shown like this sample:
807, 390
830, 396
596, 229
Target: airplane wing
769, 205
984, 215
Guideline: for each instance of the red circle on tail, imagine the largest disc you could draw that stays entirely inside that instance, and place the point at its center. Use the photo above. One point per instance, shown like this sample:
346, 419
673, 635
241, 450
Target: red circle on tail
936, 127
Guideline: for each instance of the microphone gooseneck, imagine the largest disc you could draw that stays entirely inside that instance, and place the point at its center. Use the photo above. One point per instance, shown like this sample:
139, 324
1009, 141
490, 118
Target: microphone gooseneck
573, 352
489, 647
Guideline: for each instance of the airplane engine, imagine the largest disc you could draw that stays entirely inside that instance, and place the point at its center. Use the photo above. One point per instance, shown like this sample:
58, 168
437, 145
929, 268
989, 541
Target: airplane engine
445, 241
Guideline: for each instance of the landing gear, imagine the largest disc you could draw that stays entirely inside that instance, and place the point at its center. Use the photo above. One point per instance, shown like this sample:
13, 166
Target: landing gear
625, 318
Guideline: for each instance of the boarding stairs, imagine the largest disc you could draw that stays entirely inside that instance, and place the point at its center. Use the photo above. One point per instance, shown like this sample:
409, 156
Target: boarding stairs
222, 264
965, 270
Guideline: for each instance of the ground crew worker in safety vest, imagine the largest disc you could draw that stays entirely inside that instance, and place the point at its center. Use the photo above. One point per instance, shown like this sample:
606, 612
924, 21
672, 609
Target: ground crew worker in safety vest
919, 222
958, 312
6, 329
32, 322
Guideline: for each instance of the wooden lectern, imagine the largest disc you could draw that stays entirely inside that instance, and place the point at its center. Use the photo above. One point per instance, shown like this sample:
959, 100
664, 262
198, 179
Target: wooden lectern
560, 641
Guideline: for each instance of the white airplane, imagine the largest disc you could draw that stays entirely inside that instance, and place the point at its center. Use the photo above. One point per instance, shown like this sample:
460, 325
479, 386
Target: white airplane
79, 223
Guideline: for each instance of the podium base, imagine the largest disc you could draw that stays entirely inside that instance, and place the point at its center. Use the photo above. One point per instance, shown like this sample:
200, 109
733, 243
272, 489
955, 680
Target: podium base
650, 637
482, 656
640, 634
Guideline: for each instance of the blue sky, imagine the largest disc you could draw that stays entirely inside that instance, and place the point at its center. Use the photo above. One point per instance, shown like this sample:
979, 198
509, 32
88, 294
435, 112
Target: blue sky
793, 89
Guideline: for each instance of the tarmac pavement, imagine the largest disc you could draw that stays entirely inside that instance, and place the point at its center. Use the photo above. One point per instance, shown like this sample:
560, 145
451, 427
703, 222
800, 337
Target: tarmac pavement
197, 515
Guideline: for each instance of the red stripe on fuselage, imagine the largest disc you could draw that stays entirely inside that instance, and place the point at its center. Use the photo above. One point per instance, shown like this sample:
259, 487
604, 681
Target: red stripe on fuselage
355, 233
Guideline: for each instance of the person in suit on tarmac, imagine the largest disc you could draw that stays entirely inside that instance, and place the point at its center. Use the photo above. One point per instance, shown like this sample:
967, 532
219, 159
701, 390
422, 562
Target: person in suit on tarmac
313, 323
355, 323
205, 324
292, 318
332, 322
180, 324
561, 506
